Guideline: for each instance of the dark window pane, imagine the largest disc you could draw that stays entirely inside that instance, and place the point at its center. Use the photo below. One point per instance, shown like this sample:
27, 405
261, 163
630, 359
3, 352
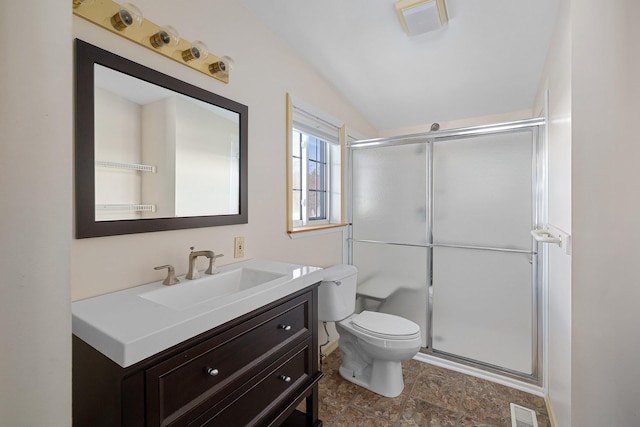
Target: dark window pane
312, 176
313, 148
317, 206
322, 211
321, 176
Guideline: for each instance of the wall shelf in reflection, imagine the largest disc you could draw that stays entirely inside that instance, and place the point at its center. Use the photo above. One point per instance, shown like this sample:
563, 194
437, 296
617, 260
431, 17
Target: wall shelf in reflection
125, 166
126, 208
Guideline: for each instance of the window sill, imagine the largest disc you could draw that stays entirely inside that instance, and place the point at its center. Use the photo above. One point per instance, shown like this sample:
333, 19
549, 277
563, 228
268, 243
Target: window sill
315, 230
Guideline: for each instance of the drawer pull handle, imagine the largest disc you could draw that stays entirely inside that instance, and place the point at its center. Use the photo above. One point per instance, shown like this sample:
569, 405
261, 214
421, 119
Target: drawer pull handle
285, 378
212, 371
285, 327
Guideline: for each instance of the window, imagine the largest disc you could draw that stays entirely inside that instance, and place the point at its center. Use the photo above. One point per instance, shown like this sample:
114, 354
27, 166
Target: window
314, 160
310, 181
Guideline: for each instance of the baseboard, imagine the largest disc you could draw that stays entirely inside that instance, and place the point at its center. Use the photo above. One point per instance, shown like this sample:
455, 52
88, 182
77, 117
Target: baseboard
552, 417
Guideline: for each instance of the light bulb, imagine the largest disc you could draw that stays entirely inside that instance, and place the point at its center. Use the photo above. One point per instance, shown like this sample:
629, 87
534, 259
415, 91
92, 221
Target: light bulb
128, 16
167, 36
198, 50
223, 66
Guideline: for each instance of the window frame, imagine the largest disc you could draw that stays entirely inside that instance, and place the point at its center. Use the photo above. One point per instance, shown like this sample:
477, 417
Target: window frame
335, 191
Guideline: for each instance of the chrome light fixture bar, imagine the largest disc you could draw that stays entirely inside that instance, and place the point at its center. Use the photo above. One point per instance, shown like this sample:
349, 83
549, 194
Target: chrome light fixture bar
127, 21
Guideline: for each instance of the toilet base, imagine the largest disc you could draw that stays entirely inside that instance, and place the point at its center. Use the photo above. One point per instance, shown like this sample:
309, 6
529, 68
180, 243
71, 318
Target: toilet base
381, 376
375, 363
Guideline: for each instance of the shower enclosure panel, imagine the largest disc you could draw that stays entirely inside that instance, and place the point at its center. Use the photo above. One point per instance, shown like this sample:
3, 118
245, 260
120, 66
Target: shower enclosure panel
483, 265
389, 216
441, 236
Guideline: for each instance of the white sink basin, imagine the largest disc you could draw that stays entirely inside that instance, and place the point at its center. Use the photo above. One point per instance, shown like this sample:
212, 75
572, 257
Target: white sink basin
130, 325
209, 288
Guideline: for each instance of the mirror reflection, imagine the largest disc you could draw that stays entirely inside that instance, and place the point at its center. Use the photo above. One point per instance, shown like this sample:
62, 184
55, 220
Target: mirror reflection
161, 154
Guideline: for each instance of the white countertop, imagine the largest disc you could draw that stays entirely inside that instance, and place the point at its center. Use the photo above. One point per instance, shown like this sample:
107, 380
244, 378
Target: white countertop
128, 328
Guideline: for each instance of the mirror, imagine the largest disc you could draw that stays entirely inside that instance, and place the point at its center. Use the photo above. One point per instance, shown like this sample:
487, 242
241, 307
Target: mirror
152, 152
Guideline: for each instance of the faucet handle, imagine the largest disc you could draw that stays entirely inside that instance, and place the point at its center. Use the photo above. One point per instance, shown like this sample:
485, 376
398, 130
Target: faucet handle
171, 278
212, 268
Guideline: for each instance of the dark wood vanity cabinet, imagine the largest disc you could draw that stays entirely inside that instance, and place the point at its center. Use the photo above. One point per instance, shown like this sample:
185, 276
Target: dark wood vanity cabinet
255, 370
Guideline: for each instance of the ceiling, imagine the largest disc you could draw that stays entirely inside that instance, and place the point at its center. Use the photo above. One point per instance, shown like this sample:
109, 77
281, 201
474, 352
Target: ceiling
487, 60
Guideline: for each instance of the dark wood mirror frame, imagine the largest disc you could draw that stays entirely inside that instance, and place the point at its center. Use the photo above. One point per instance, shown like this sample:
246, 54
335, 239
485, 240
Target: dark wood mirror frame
86, 225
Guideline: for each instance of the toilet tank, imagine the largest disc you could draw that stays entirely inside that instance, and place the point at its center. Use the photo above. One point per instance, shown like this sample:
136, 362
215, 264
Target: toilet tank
337, 293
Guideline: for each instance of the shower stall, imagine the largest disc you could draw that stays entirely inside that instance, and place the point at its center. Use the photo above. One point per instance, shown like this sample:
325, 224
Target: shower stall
440, 233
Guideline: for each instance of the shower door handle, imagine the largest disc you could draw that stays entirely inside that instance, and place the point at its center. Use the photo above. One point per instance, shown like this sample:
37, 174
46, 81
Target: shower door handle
555, 236
544, 236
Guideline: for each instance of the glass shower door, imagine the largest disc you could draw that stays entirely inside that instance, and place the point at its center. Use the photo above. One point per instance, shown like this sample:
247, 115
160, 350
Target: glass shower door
389, 205
483, 266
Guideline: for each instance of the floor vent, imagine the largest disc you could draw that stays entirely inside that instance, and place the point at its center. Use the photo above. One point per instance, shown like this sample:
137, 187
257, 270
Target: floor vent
523, 417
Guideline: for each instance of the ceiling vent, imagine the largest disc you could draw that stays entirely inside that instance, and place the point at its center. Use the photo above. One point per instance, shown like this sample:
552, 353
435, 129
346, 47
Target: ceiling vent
421, 16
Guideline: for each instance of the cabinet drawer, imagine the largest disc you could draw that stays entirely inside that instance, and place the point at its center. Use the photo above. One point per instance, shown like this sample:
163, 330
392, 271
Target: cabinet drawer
270, 388
198, 377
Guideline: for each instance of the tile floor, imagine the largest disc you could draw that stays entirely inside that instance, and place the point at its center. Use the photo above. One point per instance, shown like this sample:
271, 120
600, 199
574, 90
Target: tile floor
432, 396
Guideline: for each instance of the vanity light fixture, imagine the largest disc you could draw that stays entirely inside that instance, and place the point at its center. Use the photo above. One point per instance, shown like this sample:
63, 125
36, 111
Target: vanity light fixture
126, 20
198, 50
128, 15
421, 16
77, 3
167, 36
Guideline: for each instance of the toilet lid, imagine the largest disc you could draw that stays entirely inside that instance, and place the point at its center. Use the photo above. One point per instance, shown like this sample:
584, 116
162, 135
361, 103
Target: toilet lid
384, 324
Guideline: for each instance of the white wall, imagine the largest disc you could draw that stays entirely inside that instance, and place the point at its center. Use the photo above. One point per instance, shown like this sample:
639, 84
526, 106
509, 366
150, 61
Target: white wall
556, 80
605, 221
35, 212
265, 70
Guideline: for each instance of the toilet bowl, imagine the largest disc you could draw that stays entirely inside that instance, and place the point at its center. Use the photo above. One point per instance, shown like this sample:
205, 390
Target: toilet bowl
372, 344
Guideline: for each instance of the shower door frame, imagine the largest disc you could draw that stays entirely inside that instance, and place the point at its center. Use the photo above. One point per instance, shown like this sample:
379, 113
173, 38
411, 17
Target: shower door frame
539, 218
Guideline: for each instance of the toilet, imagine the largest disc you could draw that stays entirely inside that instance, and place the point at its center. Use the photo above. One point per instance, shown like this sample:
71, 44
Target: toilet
372, 344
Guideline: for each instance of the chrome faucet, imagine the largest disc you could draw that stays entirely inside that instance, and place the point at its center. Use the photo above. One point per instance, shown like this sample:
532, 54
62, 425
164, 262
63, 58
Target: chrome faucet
193, 256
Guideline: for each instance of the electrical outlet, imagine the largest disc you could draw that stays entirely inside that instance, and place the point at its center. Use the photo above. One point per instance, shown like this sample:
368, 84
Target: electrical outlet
239, 247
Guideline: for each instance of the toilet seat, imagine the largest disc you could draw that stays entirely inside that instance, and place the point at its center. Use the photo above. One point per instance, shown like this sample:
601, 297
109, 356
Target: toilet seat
385, 326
